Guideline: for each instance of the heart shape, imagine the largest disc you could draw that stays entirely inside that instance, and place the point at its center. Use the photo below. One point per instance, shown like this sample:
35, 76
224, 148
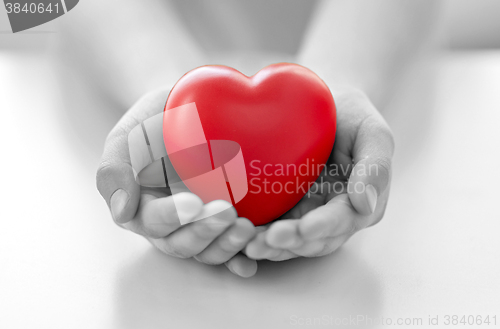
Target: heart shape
283, 118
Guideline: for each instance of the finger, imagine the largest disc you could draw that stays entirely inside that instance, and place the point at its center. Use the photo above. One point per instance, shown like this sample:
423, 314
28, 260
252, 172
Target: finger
242, 266
335, 218
283, 255
258, 248
284, 234
115, 178
159, 217
310, 248
372, 154
332, 244
229, 243
306, 204
322, 247
193, 238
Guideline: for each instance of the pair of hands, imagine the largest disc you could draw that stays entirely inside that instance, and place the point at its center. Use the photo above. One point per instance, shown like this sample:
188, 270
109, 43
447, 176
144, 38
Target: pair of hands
351, 194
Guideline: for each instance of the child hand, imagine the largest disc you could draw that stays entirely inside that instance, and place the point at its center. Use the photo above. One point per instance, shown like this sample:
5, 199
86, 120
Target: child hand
351, 193
150, 212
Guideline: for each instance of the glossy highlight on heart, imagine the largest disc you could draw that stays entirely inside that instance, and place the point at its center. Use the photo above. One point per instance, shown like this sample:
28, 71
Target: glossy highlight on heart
283, 117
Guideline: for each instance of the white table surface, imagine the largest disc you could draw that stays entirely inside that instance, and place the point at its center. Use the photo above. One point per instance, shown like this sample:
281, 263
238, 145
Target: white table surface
64, 264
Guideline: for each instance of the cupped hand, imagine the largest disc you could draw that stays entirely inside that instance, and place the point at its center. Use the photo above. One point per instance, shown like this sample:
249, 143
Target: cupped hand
350, 194
150, 212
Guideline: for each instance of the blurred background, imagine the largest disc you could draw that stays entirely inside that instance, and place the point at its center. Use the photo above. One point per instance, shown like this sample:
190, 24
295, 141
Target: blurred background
467, 25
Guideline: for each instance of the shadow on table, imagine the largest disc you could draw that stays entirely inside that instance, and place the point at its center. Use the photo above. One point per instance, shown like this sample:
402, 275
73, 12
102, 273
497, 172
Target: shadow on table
158, 291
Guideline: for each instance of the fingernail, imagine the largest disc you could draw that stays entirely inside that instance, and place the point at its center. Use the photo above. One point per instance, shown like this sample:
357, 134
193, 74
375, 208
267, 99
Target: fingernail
371, 197
316, 234
293, 243
187, 205
311, 229
215, 224
118, 202
236, 239
290, 243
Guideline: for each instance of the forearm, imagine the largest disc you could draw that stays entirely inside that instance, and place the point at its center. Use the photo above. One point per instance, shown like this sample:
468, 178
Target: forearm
140, 49
366, 43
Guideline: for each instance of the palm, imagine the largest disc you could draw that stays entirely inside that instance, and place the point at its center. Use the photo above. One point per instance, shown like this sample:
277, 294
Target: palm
331, 212
329, 185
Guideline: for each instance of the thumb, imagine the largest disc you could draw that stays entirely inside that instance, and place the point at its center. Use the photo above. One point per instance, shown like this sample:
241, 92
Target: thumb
115, 177
372, 155
117, 185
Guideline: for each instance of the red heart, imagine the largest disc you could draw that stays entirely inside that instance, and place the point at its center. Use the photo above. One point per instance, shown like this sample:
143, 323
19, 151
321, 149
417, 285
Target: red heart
283, 117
